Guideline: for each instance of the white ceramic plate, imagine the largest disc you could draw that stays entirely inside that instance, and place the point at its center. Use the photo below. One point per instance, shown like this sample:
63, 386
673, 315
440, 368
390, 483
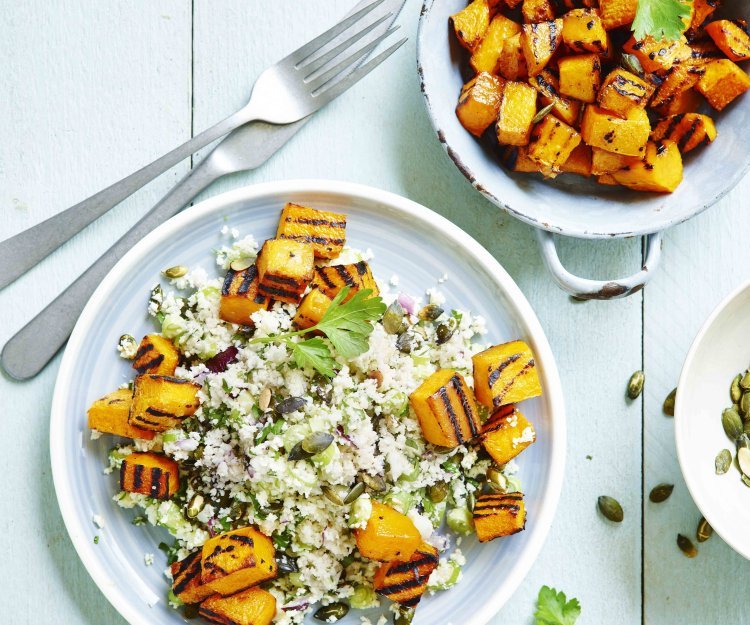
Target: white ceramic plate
719, 352
408, 240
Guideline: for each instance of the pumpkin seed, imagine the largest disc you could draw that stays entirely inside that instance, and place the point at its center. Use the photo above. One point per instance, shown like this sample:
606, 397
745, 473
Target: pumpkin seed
430, 312
635, 384
611, 509
471, 501
317, 442
290, 404
631, 63
393, 318
332, 612
275, 506
403, 343
357, 490
437, 492
264, 401
746, 427
286, 564
744, 405
241, 264
298, 453
543, 113
732, 423
743, 460
127, 346
374, 482
238, 510
496, 480
743, 440
176, 272
661, 492
723, 461
668, 405
745, 381
332, 495
403, 616
686, 546
735, 391
704, 531
445, 331
195, 505
745, 480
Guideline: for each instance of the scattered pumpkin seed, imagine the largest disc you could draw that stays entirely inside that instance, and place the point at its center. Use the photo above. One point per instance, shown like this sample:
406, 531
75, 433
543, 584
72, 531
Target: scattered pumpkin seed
430, 312
290, 404
668, 405
404, 342
437, 492
403, 616
317, 442
374, 482
298, 453
264, 401
735, 391
241, 264
611, 509
744, 404
332, 496
393, 318
471, 501
635, 384
746, 427
745, 381
127, 346
238, 510
176, 272
332, 612
745, 480
723, 461
357, 490
631, 63
661, 492
743, 440
496, 480
195, 505
704, 531
542, 113
686, 546
445, 331
275, 506
732, 423
743, 460
286, 564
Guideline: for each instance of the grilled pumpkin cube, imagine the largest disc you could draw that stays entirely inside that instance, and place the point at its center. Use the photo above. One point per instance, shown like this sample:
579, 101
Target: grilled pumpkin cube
535, 11
240, 297
624, 136
487, 53
405, 581
580, 76
579, 161
603, 162
655, 55
678, 79
388, 535
583, 31
156, 354
161, 402
446, 409
688, 131
684, 102
506, 434
285, 268
616, 13
505, 374
109, 415
311, 309
731, 37
722, 83
552, 142
548, 86
512, 63
499, 515
660, 171
516, 158
702, 10
517, 110
702, 52
471, 23
330, 279
238, 559
539, 42
151, 474
187, 584
253, 606
479, 103
325, 231
623, 91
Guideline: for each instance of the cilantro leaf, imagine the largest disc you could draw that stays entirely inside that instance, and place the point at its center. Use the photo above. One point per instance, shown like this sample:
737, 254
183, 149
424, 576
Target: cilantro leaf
662, 19
348, 325
553, 608
314, 353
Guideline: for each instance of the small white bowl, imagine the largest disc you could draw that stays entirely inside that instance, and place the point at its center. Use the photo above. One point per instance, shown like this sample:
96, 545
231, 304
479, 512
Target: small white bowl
719, 352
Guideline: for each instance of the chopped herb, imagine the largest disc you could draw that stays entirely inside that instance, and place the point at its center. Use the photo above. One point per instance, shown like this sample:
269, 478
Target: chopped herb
662, 19
96, 540
553, 608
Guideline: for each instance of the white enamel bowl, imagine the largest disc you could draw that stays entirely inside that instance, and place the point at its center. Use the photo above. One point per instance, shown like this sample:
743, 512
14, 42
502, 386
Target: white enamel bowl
407, 239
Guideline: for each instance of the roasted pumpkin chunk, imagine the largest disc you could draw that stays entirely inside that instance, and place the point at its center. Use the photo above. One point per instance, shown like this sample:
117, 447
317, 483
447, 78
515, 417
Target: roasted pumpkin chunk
253, 606
731, 37
512, 63
722, 83
517, 111
684, 102
240, 297
151, 474
187, 584
702, 52
499, 515
660, 171
325, 231
237, 560
539, 42
579, 161
479, 103
580, 76
624, 136
405, 581
471, 23
603, 162
311, 309
616, 13
702, 10
109, 415
505, 374
285, 268
548, 86
446, 409
156, 354
535, 11
583, 31
330, 279
161, 402
623, 91
688, 131
488, 52
552, 142
506, 434
677, 80
656, 55
388, 535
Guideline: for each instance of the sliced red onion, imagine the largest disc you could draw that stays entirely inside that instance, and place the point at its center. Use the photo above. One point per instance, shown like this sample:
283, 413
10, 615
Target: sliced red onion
222, 360
300, 604
407, 303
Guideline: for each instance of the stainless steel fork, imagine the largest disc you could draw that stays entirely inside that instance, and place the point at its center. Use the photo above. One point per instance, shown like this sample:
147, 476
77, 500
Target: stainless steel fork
295, 87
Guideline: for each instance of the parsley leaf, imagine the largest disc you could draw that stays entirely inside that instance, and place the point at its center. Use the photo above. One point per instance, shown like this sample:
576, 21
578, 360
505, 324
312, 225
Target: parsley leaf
553, 608
314, 353
662, 19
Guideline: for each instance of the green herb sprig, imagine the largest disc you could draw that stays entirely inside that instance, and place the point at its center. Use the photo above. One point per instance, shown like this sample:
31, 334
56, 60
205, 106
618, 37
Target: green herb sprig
553, 608
662, 19
347, 325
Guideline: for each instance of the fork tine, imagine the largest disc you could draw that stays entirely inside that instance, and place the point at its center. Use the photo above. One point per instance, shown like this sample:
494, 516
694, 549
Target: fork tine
316, 44
314, 64
351, 79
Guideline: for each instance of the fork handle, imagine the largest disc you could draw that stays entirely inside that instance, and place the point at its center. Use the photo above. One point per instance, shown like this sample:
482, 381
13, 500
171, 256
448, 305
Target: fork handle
34, 345
23, 251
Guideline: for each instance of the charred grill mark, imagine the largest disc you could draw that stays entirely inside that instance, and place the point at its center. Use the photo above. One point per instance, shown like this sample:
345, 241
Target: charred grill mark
673, 123
143, 350
225, 288
309, 238
271, 291
492, 510
685, 139
552, 36
155, 412
280, 279
443, 393
344, 274
405, 567
323, 274
247, 279
156, 482
245, 540
465, 406
628, 88
190, 569
529, 365
400, 587
361, 267
144, 421
495, 375
547, 87
317, 222
137, 475
410, 603
214, 617
152, 364
169, 378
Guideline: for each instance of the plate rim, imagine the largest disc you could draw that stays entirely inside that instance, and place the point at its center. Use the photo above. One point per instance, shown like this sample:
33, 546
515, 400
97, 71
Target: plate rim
355, 191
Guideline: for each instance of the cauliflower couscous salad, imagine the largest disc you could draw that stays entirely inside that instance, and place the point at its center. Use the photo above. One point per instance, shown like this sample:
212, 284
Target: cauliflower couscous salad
314, 441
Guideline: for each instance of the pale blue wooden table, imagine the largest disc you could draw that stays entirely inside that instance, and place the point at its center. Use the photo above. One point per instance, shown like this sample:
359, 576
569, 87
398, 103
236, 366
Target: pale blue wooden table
93, 89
